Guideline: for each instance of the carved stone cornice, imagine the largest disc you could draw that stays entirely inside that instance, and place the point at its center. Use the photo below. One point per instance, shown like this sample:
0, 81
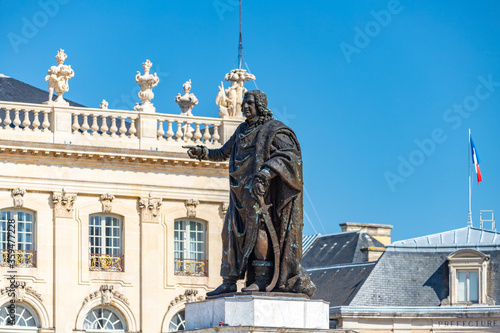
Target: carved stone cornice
18, 196
95, 155
107, 202
191, 207
107, 294
63, 204
188, 296
150, 209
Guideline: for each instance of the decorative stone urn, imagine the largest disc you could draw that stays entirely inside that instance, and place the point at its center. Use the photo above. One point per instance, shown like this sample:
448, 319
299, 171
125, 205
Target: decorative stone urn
187, 101
146, 82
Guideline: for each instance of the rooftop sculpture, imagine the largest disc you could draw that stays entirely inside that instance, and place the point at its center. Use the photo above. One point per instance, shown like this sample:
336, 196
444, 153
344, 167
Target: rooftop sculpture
58, 77
229, 100
147, 82
187, 101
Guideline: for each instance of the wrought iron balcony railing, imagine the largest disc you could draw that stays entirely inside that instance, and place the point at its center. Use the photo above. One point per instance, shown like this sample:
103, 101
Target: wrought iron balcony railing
106, 262
191, 267
21, 258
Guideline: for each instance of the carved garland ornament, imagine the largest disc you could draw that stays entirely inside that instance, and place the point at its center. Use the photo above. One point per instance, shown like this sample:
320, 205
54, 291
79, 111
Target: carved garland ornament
18, 196
107, 202
191, 207
188, 296
150, 209
63, 204
107, 294
20, 292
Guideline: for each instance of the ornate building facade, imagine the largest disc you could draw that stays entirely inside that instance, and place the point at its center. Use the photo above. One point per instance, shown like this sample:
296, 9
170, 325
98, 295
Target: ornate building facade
115, 226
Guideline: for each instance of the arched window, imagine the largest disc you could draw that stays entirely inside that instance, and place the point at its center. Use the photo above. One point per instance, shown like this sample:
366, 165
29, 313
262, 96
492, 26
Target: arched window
104, 319
25, 321
189, 248
105, 243
23, 236
178, 322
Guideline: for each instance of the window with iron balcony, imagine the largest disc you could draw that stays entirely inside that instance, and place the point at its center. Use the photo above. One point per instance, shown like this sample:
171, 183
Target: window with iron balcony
105, 243
190, 248
22, 236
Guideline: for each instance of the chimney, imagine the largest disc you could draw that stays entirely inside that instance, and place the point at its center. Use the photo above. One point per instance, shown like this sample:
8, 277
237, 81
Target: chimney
381, 232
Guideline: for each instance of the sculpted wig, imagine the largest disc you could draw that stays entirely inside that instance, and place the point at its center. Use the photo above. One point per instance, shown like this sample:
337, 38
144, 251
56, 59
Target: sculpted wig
265, 114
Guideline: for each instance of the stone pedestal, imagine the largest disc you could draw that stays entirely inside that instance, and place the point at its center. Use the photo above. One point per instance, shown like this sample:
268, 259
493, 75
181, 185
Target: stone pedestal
258, 312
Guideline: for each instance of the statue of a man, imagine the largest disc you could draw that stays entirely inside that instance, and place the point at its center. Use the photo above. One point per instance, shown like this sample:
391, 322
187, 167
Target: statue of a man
262, 232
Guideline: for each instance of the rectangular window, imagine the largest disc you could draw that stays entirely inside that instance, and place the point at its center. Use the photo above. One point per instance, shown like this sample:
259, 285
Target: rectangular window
189, 248
105, 243
468, 286
23, 237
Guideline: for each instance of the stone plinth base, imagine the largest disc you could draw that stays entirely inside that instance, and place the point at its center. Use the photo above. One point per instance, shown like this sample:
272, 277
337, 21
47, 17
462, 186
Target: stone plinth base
256, 312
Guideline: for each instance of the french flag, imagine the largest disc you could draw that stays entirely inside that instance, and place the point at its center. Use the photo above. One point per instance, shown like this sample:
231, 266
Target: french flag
475, 160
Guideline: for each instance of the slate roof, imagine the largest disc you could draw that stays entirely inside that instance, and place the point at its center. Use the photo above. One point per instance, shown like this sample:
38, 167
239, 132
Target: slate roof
340, 248
13, 90
339, 284
335, 264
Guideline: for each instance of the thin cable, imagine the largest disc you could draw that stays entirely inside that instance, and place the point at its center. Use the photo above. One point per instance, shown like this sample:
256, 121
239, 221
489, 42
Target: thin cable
307, 217
254, 81
315, 211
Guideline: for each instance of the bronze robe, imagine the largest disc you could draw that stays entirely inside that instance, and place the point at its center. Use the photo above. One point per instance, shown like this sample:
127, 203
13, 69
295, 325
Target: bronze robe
274, 146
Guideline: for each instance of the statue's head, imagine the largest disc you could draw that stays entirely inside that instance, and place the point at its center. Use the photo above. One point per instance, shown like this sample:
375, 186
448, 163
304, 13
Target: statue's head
260, 98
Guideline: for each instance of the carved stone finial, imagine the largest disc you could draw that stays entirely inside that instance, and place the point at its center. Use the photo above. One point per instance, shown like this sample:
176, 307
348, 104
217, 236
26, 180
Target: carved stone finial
150, 209
147, 82
229, 100
58, 77
63, 204
61, 56
104, 104
18, 196
191, 207
187, 101
107, 202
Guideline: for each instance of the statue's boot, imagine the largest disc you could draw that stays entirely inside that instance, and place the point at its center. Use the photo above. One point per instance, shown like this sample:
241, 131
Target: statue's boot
263, 276
228, 286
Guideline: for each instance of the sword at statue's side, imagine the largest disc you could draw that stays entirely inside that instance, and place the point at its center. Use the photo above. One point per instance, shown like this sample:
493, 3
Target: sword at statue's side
263, 212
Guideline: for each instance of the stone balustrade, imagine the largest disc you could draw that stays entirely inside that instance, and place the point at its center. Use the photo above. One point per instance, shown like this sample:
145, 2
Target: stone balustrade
107, 128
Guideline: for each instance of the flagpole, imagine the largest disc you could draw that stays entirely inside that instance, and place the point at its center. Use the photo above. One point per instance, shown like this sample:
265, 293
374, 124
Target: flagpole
469, 221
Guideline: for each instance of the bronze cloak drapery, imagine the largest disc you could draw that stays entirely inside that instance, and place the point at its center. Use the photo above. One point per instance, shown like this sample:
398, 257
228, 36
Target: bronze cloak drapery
274, 146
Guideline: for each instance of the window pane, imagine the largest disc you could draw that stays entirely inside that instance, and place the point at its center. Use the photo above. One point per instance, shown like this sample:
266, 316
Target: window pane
473, 287
461, 290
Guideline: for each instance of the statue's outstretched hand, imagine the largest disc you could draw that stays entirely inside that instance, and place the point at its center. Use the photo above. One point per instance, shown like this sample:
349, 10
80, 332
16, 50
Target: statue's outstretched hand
195, 151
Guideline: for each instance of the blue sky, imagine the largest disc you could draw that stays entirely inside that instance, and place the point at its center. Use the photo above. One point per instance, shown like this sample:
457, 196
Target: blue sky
380, 93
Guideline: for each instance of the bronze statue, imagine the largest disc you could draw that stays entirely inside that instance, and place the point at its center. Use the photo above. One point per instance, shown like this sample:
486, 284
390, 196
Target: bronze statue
262, 232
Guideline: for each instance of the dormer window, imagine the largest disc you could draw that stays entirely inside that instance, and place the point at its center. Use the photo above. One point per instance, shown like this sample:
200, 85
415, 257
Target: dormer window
468, 272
